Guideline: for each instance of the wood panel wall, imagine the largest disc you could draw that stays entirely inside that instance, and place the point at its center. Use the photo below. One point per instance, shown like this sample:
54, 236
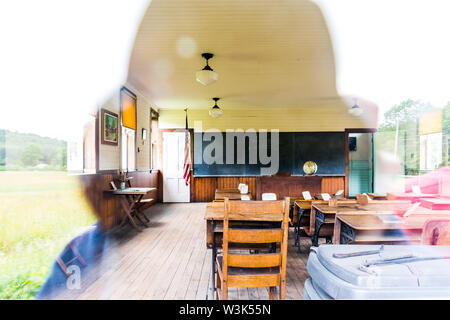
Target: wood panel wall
332, 184
106, 206
289, 186
203, 188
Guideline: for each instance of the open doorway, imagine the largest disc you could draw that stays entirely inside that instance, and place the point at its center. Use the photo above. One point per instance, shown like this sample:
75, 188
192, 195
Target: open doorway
359, 164
174, 186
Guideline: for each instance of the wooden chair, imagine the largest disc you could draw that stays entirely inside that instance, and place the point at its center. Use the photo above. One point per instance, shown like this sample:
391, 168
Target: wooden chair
362, 199
436, 232
72, 253
235, 269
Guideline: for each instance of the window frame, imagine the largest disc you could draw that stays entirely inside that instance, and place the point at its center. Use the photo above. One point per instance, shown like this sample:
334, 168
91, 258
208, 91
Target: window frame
95, 120
125, 90
154, 116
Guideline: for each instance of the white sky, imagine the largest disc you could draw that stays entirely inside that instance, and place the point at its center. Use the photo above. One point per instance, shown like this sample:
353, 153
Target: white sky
58, 58
387, 51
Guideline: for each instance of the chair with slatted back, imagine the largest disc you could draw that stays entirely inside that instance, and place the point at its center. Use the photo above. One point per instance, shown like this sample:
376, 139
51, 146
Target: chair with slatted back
237, 269
436, 232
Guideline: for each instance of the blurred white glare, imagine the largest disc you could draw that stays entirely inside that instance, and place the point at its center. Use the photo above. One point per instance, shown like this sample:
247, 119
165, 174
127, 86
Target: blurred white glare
162, 69
61, 58
186, 47
389, 170
388, 51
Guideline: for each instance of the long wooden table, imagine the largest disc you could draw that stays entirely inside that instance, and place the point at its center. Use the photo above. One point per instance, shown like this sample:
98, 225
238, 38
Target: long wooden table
214, 216
382, 227
130, 199
436, 204
324, 215
413, 197
232, 194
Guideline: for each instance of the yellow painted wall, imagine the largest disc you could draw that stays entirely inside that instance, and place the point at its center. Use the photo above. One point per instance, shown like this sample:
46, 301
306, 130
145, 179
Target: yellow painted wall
109, 156
284, 119
430, 122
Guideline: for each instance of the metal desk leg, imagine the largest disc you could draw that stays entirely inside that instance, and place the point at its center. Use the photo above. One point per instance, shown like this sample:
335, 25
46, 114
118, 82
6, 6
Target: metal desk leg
297, 235
320, 220
213, 262
347, 234
291, 214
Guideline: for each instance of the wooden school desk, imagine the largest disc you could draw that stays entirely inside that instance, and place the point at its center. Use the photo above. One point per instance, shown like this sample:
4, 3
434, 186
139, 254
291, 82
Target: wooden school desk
382, 227
324, 215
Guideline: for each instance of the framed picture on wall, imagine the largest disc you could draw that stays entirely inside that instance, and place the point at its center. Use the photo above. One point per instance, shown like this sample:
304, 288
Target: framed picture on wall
110, 128
351, 143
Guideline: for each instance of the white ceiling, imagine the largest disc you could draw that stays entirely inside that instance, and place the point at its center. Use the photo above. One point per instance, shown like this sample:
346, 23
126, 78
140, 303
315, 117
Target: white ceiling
268, 54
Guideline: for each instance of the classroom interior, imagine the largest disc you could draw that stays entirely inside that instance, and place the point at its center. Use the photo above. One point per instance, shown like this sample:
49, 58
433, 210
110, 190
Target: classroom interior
273, 70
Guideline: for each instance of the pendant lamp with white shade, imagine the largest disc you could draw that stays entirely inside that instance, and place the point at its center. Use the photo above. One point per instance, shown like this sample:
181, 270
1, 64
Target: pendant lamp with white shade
215, 111
207, 76
355, 110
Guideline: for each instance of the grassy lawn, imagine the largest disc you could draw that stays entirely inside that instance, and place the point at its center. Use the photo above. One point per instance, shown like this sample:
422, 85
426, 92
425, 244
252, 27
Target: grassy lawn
39, 213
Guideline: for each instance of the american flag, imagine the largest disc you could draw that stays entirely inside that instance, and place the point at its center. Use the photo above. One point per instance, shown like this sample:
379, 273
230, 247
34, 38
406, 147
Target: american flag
187, 154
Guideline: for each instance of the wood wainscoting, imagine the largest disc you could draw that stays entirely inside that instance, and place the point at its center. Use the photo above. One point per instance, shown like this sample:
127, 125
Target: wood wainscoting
107, 206
203, 188
331, 185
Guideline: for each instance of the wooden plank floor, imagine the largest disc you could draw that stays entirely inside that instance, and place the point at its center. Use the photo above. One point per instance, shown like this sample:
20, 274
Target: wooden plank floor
169, 260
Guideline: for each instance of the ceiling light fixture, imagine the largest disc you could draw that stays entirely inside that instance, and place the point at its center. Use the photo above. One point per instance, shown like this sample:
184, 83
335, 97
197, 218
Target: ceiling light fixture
206, 76
355, 110
215, 111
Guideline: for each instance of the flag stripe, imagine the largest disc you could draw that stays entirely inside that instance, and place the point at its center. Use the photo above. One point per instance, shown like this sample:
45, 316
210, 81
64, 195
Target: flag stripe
187, 161
187, 154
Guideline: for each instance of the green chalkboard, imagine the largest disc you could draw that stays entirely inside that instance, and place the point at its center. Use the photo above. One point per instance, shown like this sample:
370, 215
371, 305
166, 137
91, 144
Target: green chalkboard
327, 149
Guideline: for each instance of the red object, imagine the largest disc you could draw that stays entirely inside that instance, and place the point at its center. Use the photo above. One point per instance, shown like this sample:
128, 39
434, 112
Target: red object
413, 197
429, 182
436, 204
187, 159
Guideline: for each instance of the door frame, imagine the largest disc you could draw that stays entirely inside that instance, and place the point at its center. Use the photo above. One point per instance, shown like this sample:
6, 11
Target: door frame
161, 171
347, 132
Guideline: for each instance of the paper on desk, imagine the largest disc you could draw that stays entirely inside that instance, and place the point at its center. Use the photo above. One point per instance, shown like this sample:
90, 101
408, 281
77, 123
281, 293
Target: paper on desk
325, 196
339, 192
306, 195
416, 189
412, 209
245, 197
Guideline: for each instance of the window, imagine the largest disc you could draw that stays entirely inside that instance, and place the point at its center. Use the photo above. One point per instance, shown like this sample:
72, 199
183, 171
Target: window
128, 130
89, 141
82, 147
448, 151
430, 151
153, 139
